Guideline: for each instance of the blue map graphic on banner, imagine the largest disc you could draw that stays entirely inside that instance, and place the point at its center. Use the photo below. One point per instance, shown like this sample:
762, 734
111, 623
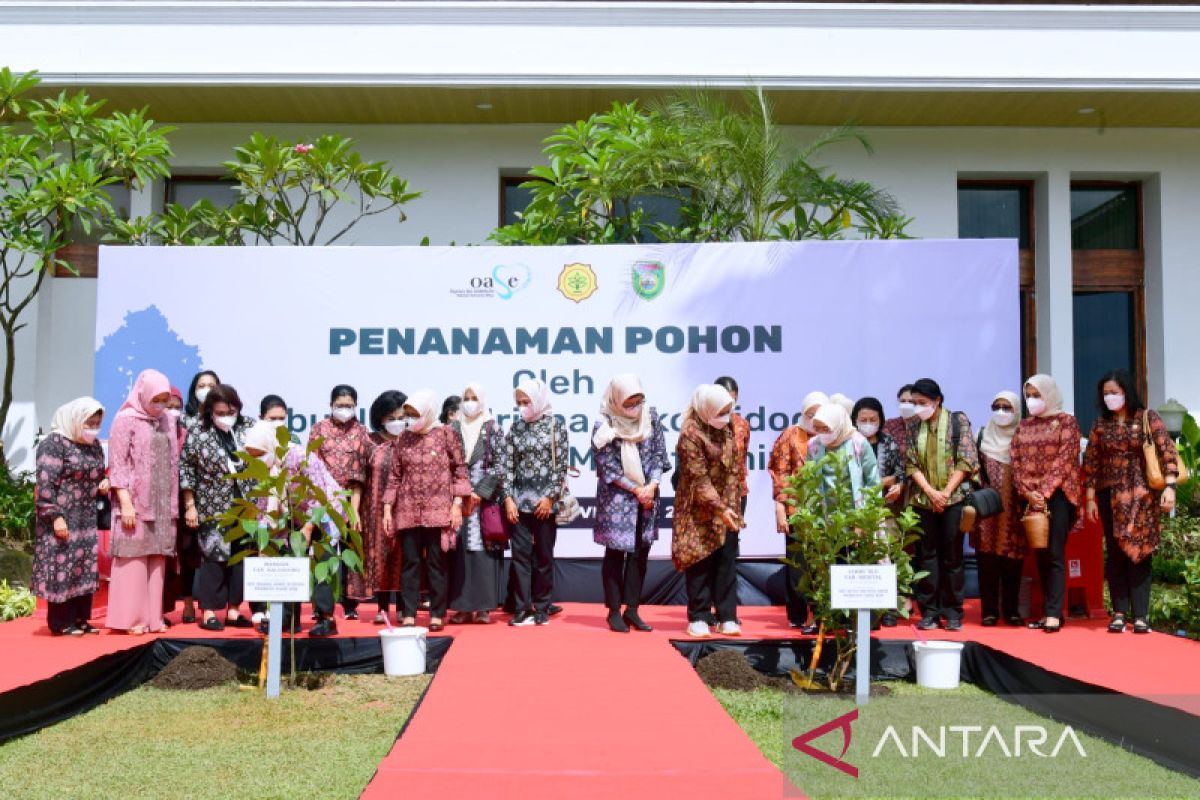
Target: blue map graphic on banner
144, 341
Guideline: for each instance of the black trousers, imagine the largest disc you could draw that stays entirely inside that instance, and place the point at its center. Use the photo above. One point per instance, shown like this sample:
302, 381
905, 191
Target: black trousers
422, 546
623, 575
69, 613
1052, 560
386, 600
999, 585
1128, 580
940, 553
795, 601
712, 581
348, 603
532, 543
218, 585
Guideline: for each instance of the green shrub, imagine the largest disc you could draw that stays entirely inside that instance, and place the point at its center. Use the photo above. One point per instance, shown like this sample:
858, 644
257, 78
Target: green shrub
17, 505
1178, 608
15, 601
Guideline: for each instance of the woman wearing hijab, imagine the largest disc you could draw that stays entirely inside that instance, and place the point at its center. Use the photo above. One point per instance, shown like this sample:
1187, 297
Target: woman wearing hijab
423, 503
209, 457
1119, 496
536, 460
70, 474
940, 457
143, 466
741, 432
476, 565
837, 398
346, 450
787, 457
833, 433
629, 449
704, 541
1045, 467
202, 383
381, 553
1000, 541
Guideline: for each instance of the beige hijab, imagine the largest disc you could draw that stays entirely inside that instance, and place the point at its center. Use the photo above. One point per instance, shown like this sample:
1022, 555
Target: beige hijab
472, 428
843, 401
1048, 388
618, 425
837, 419
425, 403
997, 440
69, 419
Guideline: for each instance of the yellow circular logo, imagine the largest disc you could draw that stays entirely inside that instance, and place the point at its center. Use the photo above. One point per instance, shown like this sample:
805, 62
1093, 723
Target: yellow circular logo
577, 282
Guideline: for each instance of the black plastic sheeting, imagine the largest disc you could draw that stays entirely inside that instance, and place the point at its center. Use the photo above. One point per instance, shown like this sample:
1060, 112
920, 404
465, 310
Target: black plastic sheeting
29, 708
1166, 735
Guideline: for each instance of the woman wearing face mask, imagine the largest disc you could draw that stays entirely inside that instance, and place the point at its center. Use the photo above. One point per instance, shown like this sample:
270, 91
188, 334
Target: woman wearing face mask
181, 570
143, 465
381, 553
1000, 541
423, 503
787, 457
346, 450
450, 407
867, 417
629, 449
208, 459
896, 426
477, 566
1119, 496
940, 456
70, 475
202, 383
704, 541
537, 455
1045, 465
833, 433
741, 432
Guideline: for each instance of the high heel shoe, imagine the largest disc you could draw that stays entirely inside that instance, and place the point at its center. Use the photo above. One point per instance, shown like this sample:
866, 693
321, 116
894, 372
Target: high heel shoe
631, 618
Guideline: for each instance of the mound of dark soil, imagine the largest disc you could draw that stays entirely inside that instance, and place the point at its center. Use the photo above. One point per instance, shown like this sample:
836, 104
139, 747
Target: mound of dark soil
729, 669
196, 668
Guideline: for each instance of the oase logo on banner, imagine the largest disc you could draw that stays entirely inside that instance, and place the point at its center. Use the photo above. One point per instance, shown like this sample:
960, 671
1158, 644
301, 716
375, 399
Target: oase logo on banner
504, 282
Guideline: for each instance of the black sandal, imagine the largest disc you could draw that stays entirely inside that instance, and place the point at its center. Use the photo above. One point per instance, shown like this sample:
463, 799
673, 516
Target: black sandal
1118, 624
212, 624
239, 622
1141, 626
989, 621
86, 627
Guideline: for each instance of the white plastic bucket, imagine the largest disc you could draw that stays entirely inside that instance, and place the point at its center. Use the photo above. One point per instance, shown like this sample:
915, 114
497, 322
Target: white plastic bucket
938, 664
403, 651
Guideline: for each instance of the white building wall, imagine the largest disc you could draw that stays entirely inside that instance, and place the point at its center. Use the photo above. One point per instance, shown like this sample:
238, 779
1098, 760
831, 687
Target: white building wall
458, 169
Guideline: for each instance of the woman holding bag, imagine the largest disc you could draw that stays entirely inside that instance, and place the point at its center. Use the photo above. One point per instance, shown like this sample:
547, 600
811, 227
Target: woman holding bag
1000, 541
477, 563
1121, 497
1045, 467
629, 450
423, 503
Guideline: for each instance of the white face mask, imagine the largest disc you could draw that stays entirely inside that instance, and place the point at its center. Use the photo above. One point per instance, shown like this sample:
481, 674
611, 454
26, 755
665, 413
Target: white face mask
528, 414
868, 429
225, 423
470, 409
202, 393
1003, 418
343, 414
827, 439
1115, 402
924, 412
278, 423
721, 421
395, 426
1036, 405
173, 413
89, 434
806, 423
907, 409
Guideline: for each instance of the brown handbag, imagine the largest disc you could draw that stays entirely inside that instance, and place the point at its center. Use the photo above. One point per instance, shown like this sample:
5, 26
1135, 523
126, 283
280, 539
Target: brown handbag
1155, 477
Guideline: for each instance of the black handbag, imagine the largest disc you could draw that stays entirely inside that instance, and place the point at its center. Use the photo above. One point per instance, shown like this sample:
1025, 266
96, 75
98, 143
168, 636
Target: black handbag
103, 512
984, 498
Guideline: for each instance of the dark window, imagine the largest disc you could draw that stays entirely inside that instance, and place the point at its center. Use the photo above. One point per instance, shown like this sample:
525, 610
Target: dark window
514, 198
188, 190
1105, 338
655, 209
1105, 217
994, 212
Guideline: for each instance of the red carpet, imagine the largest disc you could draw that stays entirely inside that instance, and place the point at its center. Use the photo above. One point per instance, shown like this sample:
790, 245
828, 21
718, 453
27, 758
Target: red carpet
575, 710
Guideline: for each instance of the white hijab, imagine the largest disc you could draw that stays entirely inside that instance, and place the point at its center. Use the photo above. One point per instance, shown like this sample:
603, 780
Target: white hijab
617, 425
262, 436
708, 401
1048, 388
835, 417
69, 418
472, 428
539, 397
843, 401
997, 440
425, 403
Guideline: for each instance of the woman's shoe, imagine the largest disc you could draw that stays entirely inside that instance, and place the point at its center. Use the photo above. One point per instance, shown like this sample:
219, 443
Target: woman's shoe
86, 627
990, 621
633, 620
1014, 621
1141, 626
436, 625
616, 624
1037, 626
461, 617
380, 618
1118, 624
1048, 628
212, 624
238, 622
408, 622
698, 630
888, 620
483, 618
351, 615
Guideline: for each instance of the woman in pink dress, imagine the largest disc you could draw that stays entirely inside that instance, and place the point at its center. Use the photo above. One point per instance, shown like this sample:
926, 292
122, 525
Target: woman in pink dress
143, 463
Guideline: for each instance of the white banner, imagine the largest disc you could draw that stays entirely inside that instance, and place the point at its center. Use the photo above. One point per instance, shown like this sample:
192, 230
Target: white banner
783, 319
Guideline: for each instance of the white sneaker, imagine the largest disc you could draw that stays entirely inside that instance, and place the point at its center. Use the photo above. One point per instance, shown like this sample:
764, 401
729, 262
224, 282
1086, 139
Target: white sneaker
729, 629
257, 617
698, 630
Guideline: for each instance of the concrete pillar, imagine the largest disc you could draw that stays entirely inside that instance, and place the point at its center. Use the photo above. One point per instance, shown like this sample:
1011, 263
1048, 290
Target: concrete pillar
1054, 281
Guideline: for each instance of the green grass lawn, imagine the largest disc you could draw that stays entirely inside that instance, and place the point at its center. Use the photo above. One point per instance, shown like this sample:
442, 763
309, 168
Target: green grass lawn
773, 720
216, 743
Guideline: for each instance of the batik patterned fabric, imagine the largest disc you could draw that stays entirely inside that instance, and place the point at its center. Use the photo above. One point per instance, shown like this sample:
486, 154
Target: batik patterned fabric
68, 474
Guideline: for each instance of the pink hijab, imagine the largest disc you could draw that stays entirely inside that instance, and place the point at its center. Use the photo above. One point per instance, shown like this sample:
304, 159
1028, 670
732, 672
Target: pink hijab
149, 384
